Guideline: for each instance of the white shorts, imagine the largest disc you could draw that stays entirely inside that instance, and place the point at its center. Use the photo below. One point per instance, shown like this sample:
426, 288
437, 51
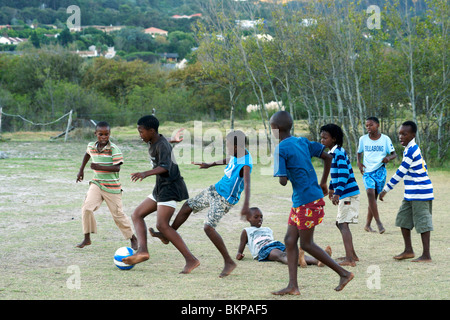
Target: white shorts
348, 210
172, 203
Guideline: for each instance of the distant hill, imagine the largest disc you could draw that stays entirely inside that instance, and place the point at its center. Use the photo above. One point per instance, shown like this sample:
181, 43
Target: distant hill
139, 13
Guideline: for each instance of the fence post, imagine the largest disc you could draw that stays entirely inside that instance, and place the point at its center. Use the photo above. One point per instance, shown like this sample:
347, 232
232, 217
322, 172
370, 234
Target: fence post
69, 123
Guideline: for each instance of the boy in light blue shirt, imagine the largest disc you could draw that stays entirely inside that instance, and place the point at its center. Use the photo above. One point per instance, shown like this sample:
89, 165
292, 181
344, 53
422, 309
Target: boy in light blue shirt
222, 196
378, 150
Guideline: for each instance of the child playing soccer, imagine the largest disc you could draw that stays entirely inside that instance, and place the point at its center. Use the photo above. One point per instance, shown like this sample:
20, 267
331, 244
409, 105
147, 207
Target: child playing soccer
415, 210
344, 191
169, 189
262, 245
221, 197
378, 150
105, 185
293, 162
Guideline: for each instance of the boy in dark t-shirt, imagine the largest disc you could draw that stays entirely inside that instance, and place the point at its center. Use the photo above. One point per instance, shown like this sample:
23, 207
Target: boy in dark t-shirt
169, 189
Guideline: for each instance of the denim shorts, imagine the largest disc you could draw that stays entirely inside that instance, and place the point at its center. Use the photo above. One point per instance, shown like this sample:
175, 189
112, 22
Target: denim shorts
375, 179
265, 251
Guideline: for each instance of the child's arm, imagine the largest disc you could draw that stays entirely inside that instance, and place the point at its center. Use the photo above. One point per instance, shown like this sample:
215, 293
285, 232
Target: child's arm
244, 240
80, 174
245, 211
142, 175
204, 165
327, 158
361, 166
390, 157
113, 168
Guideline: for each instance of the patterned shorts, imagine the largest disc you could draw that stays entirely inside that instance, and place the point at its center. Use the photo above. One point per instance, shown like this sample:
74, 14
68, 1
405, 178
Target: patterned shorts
218, 205
308, 215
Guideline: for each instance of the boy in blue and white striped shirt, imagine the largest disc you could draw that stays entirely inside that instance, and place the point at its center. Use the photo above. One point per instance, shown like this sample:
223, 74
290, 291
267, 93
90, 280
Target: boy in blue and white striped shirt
416, 207
344, 191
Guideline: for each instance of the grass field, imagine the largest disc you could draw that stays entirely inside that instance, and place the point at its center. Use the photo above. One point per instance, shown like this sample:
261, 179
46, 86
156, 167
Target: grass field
40, 224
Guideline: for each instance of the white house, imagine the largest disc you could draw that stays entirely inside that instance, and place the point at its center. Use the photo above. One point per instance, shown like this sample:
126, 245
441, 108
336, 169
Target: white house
11, 40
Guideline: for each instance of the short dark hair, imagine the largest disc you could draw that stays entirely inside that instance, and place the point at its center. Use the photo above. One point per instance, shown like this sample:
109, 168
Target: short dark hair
335, 132
149, 122
283, 120
374, 119
237, 138
102, 124
412, 125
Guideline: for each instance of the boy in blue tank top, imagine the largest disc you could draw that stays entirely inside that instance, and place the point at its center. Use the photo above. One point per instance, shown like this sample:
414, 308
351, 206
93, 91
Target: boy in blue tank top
221, 197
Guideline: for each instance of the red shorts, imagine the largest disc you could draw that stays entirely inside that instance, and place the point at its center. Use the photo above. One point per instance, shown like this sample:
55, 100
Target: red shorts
308, 215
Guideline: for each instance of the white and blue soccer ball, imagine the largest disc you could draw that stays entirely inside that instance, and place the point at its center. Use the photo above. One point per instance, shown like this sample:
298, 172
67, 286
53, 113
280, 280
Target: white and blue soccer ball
120, 254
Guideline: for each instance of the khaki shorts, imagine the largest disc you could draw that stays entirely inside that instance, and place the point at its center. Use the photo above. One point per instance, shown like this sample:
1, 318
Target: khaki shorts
415, 214
348, 210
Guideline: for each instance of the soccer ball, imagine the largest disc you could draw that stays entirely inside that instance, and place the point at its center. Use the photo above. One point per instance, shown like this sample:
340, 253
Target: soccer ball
120, 254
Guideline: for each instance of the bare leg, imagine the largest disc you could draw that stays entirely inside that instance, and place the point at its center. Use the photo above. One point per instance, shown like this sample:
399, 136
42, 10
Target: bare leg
373, 212
307, 244
408, 253
162, 223
181, 217
350, 255
217, 240
290, 241
144, 209
426, 256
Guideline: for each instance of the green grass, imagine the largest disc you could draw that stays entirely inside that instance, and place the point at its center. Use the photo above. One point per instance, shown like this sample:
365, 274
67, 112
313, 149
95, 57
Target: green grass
40, 223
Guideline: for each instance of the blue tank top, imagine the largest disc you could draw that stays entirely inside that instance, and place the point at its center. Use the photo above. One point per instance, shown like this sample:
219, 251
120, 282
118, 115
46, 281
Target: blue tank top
232, 184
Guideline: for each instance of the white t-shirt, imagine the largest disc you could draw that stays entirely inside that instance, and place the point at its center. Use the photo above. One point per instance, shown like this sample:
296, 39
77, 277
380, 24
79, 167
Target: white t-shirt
374, 151
258, 238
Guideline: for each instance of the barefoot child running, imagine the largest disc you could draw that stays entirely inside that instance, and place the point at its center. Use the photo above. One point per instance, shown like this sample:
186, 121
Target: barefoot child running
293, 162
105, 185
415, 210
344, 191
169, 189
221, 197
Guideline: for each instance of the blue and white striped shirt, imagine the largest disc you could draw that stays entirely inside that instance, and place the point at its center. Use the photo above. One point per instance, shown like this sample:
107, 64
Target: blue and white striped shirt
343, 180
414, 171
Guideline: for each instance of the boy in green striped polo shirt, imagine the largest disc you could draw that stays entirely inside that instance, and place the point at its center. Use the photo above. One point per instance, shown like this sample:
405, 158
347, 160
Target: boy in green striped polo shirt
105, 185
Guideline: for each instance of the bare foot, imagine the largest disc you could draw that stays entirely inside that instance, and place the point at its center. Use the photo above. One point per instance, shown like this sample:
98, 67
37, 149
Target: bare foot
301, 258
346, 262
404, 255
381, 229
229, 267
422, 259
136, 258
287, 290
343, 282
327, 250
369, 229
190, 266
159, 235
83, 244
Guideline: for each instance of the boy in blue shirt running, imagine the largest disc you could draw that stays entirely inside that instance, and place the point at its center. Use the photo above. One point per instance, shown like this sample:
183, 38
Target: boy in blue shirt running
222, 196
293, 162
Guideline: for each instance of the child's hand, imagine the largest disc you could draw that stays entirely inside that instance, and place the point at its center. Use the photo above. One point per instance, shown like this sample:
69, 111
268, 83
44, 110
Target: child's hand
138, 176
80, 176
324, 189
202, 165
335, 200
361, 167
381, 196
240, 256
177, 138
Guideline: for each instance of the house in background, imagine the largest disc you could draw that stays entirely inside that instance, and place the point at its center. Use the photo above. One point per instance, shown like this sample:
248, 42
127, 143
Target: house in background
155, 31
11, 40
